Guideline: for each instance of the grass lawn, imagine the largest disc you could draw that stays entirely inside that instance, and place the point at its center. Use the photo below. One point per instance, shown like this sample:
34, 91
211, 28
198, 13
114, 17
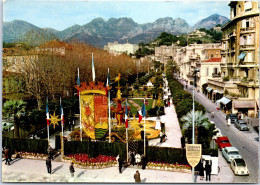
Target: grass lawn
140, 103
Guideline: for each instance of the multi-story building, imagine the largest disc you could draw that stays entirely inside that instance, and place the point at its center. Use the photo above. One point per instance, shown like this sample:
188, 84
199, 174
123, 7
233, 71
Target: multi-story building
205, 57
240, 58
116, 48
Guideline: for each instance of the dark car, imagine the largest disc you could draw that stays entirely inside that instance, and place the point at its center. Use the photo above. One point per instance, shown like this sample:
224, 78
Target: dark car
241, 125
232, 117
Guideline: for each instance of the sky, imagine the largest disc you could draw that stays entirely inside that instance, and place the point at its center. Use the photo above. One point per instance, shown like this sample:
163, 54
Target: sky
61, 14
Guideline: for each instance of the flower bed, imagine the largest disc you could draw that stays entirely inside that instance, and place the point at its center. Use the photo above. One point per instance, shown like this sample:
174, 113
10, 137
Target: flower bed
84, 161
29, 155
169, 167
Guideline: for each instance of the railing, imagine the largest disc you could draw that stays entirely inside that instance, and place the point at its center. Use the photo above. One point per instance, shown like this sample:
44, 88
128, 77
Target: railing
216, 75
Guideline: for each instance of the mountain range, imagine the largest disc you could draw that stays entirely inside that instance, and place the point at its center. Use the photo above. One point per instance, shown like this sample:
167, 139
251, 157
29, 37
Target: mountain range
99, 32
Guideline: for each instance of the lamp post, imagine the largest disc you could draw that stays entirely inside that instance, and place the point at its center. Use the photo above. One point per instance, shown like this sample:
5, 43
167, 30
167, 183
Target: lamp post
193, 114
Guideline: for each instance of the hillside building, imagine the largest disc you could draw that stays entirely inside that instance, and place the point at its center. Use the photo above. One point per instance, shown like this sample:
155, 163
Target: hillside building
118, 49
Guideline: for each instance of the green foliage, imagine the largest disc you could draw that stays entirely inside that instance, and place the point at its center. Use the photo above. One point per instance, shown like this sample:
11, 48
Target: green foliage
26, 145
153, 111
93, 149
143, 51
225, 78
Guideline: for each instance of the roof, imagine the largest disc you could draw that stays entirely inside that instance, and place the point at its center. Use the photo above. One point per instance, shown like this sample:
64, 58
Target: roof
213, 60
223, 100
244, 104
231, 148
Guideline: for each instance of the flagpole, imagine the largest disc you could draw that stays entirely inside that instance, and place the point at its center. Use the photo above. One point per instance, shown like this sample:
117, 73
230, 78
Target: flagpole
80, 113
109, 112
126, 136
93, 68
61, 116
48, 131
144, 130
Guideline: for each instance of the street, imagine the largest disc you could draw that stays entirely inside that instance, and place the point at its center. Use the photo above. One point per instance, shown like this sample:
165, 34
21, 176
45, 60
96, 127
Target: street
246, 142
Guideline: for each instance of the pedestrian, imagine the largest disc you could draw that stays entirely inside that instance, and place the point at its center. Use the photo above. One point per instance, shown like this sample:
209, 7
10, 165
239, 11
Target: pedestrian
161, 136
133, 158
143, 161
201, 170
7, 153
169, 104
117, 157
182, 142
120, 162
138, 159
164, 137
208, 170
212, 114
137, 177
50, 150
71, 168
48, 164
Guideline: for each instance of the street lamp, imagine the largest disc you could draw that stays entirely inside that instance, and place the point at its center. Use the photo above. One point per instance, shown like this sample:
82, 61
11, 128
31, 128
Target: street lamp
193, 114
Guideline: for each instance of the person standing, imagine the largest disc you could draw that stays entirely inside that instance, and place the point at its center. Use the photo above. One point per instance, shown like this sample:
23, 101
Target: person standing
49, 150
182, 142
201, 171
48, 164
137, 177
120, 162
117, 157
7, 153
161, 136
138, 159
133, 158
208, 170
71, 168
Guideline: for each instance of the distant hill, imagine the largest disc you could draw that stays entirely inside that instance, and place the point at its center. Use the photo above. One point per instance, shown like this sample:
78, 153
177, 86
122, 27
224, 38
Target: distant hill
210, 22
98, 32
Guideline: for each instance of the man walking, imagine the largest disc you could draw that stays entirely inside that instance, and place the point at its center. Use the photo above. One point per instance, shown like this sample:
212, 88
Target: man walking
48, 164
120, 162
71, 168
7, 153
137, 177
208, 170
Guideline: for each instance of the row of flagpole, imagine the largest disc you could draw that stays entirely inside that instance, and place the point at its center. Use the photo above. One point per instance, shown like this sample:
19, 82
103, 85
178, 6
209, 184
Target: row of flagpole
142, 112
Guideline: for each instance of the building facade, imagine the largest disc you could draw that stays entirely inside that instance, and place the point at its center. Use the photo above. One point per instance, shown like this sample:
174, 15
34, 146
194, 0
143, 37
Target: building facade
118, 49
240, 58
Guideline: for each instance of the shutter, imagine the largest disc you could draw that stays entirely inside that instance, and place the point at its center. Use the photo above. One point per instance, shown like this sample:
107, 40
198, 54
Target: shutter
249, 40
249, 57
244, 23
248, 5
241, 40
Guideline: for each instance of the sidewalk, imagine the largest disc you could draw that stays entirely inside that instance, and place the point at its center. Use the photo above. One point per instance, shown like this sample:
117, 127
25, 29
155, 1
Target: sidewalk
28, 170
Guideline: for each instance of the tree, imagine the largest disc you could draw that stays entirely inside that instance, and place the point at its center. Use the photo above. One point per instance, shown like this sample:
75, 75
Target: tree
200, 120
15, 108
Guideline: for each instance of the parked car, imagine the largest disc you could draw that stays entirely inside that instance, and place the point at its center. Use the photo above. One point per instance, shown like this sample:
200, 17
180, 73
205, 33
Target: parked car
232, 117
241, 125
222, 142
239, 166
230, 153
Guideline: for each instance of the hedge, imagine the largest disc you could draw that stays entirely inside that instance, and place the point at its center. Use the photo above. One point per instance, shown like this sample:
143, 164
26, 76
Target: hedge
26, 145
93, 149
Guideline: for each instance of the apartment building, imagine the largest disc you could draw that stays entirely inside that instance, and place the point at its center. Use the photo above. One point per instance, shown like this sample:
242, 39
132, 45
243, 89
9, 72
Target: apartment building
240, 59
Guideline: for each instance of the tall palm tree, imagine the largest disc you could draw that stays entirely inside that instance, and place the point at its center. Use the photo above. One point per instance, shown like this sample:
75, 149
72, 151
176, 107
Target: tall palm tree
15, 108
200, 120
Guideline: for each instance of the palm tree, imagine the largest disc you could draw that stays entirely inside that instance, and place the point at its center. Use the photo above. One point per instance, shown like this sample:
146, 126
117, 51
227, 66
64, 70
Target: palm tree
201, 121
15, 108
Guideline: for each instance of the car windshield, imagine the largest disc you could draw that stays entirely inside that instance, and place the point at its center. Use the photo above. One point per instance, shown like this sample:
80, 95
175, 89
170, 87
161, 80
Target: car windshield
233, 153
224, 141
240, 162
242, 122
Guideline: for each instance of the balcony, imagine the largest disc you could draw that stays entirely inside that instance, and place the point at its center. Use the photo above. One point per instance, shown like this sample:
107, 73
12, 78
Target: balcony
247, 47
247, 30
216, 75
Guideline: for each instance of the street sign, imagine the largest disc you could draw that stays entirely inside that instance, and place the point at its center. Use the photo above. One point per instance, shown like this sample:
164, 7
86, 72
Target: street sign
193, 154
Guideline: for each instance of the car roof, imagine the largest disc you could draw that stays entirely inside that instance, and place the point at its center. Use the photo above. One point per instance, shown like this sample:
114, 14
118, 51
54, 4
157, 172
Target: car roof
231, 148
233, 114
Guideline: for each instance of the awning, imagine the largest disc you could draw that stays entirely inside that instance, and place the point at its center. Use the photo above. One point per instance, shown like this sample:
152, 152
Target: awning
216, 91
209, 89
223, 100
241, 56
244, 104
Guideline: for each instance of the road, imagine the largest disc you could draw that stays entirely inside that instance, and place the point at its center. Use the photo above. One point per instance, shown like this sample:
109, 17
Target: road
246, 141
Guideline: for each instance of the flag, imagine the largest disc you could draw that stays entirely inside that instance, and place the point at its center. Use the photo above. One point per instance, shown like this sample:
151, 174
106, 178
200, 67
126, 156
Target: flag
47, 113
108, 81
126, 115
78, 82
61, 114
142, 112
93, 69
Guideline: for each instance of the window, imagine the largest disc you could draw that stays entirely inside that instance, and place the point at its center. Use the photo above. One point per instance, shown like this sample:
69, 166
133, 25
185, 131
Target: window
245, 41
247, 23
207, 72
250, 40
248, 6
250, 57
215, 70
212, 55
242, 40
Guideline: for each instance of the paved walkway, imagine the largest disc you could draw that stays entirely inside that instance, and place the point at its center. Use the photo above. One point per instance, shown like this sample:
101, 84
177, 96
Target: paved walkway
28, 170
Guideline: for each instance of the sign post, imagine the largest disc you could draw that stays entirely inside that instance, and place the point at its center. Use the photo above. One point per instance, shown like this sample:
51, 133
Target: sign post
193, 155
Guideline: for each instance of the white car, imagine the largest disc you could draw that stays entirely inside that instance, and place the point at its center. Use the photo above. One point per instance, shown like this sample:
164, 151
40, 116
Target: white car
239, 166
230, 153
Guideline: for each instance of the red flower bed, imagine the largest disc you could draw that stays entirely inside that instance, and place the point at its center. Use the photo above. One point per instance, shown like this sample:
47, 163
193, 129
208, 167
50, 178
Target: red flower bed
84, 158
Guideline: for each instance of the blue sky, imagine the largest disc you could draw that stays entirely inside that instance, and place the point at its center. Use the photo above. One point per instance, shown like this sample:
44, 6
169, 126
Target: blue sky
61, 14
